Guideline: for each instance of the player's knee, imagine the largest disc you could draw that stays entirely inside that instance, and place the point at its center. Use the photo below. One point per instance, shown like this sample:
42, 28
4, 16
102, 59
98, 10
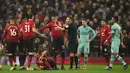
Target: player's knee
78, 54
85, 54
10, 55
71, 54
30, 53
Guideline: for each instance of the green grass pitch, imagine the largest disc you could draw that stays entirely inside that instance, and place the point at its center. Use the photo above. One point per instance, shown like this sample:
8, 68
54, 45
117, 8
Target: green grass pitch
90, 69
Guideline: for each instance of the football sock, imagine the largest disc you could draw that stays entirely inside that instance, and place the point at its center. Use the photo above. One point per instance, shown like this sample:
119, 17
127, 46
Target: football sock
76, 61
63, 58
29, 61
11, 61
120, 59
85, 60
107, 60
112, 59
71, 61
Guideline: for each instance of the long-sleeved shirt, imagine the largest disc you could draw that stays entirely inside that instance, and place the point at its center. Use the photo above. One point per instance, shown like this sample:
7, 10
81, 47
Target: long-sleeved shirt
55, 32
85, 32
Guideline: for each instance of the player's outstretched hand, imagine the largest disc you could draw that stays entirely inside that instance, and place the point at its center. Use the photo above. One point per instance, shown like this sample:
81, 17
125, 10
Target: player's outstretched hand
42, 35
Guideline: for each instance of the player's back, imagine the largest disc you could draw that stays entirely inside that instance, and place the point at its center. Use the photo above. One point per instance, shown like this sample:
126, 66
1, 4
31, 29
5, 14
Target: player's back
12, 31
116, 30
26, 28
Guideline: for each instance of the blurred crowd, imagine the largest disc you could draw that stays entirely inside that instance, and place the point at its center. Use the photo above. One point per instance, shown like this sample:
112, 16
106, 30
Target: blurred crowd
93, 10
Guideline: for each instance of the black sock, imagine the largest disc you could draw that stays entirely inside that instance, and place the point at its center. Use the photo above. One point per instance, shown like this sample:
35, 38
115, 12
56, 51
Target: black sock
76, 61
71, 61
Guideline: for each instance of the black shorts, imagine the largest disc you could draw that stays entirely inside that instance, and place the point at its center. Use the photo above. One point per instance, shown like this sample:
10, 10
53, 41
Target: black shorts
29, 45
72, 46
11, 47
21, 46
58, 43
106, 50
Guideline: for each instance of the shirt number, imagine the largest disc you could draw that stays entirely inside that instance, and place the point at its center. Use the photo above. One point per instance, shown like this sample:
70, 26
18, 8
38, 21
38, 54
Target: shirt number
27, 28
13, 32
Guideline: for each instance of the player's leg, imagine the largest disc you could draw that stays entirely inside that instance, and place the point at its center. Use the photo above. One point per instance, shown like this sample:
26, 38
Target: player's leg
114, 46
30, 50
14, 60
114, 55
106, 54
120, 58
22, 55
11, 48
48, 67
79, 51
71, 60
70, 46
62, 59
60, 46
55, 51
122, 61
74, 45
86, 52
76, 60
52, 64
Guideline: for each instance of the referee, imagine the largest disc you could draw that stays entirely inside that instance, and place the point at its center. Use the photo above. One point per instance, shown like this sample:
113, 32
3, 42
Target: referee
72, 41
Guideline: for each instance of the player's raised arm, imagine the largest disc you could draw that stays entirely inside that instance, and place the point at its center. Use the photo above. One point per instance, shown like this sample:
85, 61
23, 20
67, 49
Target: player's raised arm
46, 26
37, 32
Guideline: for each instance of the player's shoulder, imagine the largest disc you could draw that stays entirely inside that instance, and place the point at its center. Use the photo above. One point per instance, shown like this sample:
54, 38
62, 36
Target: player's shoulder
80, 27
11, 25
107, 27
51, 22
88, 27
114, 25
31, 21
61, 22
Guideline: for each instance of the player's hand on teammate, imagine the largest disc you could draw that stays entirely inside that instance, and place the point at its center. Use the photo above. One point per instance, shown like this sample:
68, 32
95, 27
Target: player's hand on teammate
42, 35
105, 42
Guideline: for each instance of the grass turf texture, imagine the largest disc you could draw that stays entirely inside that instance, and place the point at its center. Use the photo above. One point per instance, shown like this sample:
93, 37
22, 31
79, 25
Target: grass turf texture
90, 69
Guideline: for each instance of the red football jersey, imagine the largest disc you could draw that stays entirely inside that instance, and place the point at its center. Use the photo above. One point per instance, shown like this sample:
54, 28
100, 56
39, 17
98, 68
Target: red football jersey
11, 32
41, 57
26, 27
55, 32
105, 32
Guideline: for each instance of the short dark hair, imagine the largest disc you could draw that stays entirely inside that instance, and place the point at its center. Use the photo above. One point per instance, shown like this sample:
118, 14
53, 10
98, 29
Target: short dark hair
54, 13
116, 18
84, 19
29, 16
12, 18
69, 17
